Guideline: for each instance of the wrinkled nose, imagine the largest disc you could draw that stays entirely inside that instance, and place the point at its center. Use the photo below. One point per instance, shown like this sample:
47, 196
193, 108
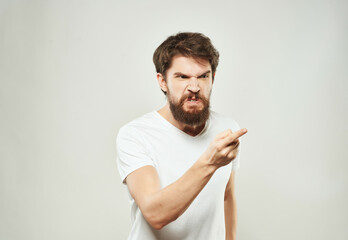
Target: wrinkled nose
193, 85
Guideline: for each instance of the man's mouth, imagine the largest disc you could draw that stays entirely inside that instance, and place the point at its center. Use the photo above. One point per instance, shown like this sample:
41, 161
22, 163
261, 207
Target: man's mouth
192, 99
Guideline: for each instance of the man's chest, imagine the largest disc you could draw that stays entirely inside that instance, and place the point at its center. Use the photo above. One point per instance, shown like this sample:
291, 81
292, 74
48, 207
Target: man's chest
173, 155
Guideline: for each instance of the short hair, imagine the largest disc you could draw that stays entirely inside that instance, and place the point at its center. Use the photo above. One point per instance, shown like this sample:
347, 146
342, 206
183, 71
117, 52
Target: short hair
188, 44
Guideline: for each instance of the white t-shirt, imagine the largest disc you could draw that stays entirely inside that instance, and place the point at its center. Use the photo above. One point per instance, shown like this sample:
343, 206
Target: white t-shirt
152, 140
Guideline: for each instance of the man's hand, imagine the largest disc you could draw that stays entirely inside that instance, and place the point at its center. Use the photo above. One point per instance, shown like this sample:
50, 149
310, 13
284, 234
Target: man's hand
224, 148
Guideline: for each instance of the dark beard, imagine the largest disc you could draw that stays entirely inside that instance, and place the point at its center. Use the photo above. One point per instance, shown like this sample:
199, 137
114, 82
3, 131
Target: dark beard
194, 118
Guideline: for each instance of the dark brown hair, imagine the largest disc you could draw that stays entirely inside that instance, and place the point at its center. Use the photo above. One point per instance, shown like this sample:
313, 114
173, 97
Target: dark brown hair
188, 44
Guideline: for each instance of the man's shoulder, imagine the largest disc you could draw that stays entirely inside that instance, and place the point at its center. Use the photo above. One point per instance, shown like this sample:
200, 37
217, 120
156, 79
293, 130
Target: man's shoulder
138, 124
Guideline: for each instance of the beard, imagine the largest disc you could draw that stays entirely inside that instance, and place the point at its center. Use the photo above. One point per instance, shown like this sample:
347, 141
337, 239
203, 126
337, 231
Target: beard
194, 117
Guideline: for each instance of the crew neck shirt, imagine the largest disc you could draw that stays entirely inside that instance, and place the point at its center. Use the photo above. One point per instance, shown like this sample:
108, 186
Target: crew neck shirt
152, 140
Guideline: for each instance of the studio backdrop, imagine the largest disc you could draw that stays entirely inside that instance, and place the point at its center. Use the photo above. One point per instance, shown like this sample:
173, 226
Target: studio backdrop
73, 72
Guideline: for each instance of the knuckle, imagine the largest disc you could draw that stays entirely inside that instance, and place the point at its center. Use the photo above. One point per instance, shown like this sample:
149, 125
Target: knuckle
233, 155
218, 146
225, 154
230, 155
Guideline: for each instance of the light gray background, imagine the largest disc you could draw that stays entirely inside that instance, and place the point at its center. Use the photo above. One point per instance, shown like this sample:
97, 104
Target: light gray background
73, 72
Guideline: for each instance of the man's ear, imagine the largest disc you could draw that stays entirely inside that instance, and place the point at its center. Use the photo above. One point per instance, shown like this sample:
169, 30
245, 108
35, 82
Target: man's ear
162, 82
213, 78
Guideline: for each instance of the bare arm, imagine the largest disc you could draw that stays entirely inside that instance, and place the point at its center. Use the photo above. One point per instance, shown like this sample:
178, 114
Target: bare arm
157, 205
230, 209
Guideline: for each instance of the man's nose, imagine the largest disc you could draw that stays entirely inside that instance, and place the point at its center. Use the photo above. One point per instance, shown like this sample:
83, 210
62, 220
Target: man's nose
193, 85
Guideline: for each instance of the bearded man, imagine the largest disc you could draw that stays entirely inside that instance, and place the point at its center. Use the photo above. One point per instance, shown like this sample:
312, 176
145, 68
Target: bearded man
179, 162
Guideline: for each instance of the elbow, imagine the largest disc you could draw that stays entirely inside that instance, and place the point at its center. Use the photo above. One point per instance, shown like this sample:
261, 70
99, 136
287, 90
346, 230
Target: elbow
157, 216
156, 221
157, 226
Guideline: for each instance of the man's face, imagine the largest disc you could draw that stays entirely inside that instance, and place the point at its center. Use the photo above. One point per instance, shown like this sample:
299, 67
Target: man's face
188, 86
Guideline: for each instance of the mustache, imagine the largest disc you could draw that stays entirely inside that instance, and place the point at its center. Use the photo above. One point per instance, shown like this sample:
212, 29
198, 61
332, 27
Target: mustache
198, 96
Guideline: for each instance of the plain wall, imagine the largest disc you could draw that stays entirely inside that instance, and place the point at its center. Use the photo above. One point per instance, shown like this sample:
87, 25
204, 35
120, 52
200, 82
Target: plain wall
73, 72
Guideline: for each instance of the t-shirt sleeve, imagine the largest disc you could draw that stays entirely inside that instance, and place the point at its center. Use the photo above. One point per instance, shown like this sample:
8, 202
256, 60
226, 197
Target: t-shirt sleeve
131, 152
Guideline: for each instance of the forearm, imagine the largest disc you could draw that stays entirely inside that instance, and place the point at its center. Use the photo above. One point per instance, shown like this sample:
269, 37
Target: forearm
230, 217
170, 202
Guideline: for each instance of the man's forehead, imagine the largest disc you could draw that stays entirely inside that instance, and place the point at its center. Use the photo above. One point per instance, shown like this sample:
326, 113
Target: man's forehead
189, 65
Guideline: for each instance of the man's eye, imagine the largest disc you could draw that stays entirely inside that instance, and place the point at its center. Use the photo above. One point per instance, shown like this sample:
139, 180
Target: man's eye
183, 76
204, 76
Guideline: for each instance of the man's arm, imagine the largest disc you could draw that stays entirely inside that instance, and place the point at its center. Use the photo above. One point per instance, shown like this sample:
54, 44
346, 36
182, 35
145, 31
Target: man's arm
162, 206
230, 209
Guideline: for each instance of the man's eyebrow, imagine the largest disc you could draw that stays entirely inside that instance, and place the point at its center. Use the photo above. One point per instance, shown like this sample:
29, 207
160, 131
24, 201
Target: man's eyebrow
180, 73
205, 73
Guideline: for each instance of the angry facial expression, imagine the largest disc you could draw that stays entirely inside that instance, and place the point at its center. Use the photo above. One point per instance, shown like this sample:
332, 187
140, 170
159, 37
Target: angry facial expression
188, 84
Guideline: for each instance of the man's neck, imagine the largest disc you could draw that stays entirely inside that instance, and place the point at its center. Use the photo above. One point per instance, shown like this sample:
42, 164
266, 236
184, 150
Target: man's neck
188, 129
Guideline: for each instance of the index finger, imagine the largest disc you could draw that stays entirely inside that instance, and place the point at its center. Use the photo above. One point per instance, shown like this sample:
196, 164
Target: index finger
234, 136
239, 133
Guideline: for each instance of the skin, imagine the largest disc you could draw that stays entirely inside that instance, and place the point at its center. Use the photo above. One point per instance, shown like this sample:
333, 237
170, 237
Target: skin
185, 77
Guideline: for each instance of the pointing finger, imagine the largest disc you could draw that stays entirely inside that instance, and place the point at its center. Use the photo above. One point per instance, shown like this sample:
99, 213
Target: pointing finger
234, 136
240, 133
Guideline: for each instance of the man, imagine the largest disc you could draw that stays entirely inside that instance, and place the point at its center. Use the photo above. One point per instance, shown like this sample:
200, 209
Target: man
179, 162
